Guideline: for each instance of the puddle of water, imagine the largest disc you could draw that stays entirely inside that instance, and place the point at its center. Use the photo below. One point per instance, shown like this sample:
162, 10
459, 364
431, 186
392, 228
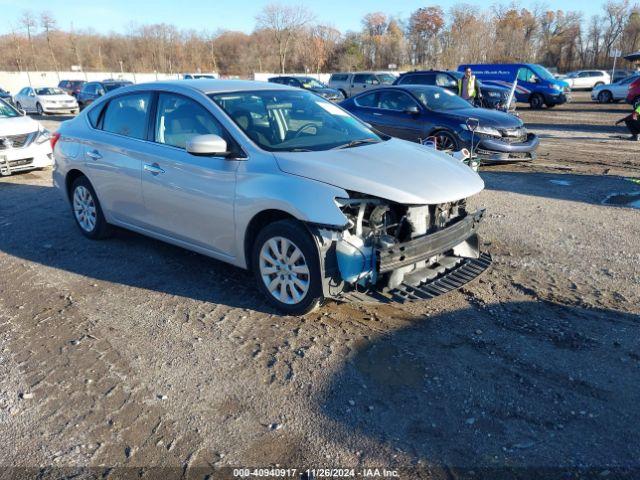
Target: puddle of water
623, 199
564, 183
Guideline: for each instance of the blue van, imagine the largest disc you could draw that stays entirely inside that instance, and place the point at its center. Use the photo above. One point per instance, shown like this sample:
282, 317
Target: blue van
536, 85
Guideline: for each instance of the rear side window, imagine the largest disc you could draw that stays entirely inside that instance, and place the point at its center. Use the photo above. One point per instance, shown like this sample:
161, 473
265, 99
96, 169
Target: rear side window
364, 78
94, 115
127, 115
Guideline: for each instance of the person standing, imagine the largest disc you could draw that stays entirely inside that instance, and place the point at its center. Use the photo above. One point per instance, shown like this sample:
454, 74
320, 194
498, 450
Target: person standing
468, 87
632, 121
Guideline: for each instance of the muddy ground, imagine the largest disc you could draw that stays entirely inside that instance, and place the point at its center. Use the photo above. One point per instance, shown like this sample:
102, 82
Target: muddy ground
133, 354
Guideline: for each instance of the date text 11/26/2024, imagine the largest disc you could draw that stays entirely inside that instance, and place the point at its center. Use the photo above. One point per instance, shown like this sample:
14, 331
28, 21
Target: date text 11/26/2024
315, 473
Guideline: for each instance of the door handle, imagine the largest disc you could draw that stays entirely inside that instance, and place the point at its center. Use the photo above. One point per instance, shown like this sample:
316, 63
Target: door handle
94, 154
153, 169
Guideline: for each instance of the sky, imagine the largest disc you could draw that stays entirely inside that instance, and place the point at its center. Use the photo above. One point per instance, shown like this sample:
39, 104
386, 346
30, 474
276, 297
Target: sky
116, 15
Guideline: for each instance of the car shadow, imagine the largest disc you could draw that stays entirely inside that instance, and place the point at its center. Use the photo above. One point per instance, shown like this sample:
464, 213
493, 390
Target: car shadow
530, 387
36, 225
593, 189
570, 127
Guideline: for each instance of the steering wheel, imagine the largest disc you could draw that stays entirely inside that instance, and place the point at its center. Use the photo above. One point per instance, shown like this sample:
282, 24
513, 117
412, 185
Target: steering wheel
303, 128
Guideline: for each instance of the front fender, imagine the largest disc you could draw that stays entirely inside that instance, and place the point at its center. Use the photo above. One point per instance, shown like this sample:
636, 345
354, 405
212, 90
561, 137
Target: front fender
307, 200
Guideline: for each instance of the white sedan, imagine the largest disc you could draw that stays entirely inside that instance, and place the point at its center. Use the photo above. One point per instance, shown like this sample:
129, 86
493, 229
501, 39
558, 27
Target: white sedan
24, 143
614, 92
43, 100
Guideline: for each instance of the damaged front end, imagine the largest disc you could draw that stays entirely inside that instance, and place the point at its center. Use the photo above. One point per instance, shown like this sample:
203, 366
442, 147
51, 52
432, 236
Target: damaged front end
395, 252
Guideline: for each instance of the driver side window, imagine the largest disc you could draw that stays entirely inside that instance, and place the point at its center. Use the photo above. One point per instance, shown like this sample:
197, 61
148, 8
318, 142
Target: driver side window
394, 100
178, 119
525, 75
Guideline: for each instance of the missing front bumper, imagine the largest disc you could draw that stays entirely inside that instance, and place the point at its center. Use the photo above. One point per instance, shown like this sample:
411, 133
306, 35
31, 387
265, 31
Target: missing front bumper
449, 274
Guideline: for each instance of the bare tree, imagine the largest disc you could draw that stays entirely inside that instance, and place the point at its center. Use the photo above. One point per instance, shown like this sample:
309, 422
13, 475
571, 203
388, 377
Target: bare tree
28, 22
48, 23
284, 22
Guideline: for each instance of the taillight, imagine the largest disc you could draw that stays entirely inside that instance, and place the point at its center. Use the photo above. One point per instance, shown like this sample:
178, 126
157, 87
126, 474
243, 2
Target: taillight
55, 136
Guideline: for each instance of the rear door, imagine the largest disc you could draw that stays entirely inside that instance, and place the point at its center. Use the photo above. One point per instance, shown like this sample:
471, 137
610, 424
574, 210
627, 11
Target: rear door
188, 198
114, 154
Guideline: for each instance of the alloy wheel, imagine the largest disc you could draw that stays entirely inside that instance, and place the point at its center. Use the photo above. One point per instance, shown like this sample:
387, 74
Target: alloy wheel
84, 208
445, 142
284, 270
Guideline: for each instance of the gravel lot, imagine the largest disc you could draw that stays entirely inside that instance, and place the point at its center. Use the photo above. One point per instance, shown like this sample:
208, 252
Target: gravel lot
134, 354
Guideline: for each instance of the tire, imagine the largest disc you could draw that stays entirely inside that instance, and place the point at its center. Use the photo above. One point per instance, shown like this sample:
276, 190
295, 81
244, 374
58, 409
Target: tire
344, 94
445, 141
18, 106
605, 96
292, 285
39, 109
536, 101
87, 211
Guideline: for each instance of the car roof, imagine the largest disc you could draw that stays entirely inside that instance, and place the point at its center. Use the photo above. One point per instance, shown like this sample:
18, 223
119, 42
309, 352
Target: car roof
208, 86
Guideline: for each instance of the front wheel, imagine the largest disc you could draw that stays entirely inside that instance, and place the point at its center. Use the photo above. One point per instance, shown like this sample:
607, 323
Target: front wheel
87, 210
536, 101
286, 265
39, 109
604, 96
446, 141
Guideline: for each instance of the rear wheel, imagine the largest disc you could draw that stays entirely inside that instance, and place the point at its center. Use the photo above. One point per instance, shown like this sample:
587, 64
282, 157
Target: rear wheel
605, 96
536, 101
286, 265
87, 211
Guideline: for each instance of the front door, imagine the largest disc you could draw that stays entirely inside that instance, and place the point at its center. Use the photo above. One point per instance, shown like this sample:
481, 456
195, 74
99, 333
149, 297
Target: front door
393, 115
189, 198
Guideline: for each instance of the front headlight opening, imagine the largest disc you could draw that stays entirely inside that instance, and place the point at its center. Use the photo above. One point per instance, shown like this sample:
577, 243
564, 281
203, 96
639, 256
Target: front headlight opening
43, 136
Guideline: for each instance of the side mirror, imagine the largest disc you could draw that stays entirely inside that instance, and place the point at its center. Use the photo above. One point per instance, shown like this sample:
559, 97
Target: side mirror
207, 145
413, 110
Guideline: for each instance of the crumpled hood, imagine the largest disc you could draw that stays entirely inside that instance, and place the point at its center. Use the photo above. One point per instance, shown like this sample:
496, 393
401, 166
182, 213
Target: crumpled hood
488, 117
396, 170
17, 125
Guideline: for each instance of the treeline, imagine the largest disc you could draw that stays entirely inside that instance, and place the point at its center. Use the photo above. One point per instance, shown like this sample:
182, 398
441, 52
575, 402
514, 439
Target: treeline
287, 38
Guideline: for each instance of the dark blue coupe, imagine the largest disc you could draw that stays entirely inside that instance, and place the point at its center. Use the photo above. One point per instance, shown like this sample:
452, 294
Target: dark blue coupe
420, 113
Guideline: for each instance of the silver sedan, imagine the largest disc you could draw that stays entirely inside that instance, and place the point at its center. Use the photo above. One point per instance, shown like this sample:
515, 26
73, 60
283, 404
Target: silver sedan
277, 180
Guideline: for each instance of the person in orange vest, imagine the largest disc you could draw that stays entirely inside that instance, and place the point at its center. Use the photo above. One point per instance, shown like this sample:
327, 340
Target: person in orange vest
468, 88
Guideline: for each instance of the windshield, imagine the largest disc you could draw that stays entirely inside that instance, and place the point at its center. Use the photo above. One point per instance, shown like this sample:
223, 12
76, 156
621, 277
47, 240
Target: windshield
312, 83
542, 72
440, 99
6, 111
49, 91
386, 78
290, 121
